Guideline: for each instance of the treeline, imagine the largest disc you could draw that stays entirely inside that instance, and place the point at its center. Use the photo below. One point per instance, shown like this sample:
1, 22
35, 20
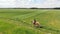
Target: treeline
46, 8
32, 8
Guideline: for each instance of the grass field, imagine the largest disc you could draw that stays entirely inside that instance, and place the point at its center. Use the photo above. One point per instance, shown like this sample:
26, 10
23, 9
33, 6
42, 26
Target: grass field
18, 21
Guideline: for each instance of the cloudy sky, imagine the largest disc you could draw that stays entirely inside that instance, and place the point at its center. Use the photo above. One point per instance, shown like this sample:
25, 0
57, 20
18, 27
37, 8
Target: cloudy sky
29, 3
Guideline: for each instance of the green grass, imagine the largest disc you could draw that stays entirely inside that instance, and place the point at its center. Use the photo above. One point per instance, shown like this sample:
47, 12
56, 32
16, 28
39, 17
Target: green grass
18, 21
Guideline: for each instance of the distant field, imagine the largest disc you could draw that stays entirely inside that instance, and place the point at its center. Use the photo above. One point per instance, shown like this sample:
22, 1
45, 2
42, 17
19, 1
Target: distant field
18, 21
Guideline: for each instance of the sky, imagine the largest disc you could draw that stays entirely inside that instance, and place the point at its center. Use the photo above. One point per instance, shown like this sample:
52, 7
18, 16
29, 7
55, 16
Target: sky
29, 3
7, 3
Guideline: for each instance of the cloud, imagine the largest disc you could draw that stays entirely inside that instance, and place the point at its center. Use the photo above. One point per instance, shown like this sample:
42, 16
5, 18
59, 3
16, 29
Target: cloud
48, 4
38, 3
30, 3
7, 3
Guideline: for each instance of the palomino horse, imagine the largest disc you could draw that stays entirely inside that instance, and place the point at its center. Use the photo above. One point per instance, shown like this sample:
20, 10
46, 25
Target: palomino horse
36, 23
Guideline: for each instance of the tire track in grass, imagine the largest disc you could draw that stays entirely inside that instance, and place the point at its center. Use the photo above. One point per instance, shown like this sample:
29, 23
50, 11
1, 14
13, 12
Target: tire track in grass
35, 14
28, 15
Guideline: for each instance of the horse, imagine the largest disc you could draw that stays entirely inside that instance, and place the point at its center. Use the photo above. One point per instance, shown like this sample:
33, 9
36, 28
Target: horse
36, 23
